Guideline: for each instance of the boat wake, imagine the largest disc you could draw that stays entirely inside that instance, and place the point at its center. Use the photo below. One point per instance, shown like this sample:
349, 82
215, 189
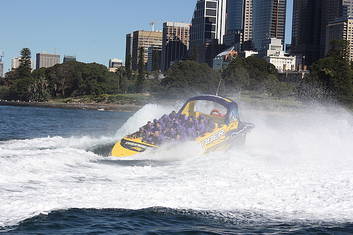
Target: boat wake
297, 165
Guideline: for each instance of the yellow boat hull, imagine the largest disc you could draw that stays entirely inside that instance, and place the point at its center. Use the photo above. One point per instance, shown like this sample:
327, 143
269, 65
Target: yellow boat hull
221, 138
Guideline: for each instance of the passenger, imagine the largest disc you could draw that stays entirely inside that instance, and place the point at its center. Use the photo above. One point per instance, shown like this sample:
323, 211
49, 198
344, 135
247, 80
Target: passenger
148, 126
157, 138
140, 133
201, 126
210, 125
148, 138
173, 116
158, 126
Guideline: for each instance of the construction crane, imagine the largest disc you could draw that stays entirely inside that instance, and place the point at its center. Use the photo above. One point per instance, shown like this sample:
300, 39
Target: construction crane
1, 56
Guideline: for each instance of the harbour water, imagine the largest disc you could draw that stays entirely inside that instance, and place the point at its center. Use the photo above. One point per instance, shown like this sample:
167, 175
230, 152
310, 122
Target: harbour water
295, 176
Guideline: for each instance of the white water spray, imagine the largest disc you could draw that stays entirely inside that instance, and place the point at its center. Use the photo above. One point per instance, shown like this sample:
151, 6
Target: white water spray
297, 165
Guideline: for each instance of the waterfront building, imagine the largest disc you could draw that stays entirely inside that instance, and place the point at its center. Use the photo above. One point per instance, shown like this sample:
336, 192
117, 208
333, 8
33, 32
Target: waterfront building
175, 44
45, 60
269, 21
207, 29
154, 58
340, 29
239, 22
224, 58
274, 53
69, 58
128, 49
144, 39
115, 64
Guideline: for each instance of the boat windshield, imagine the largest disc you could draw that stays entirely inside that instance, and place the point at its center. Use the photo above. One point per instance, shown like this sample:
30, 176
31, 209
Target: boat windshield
207, 108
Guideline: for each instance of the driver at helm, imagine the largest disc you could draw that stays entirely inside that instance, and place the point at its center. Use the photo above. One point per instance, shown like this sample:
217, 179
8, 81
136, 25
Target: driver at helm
216, 113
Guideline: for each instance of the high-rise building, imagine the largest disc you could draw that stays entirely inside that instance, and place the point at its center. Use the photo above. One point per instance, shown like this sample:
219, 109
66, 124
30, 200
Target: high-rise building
340, 29
68, 58
15, 63
44, 60
208, 21
175, 43
1, 69
115, 64
306, 31
154, 58
269, 21
310, 21
330, 11
1, 65
128, 49
144, 39
239, 22
207, 29
347, 8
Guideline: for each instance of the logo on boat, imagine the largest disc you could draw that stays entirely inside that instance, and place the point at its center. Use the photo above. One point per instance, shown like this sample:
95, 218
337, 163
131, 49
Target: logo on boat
213, 138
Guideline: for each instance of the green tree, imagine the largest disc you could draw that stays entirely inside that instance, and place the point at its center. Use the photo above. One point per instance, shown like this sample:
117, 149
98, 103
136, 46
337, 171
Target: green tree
156, 61
330, 77
236, 76
339, 50
190, 77
128, 67
254, 74
24, 70
141, 71
123, 77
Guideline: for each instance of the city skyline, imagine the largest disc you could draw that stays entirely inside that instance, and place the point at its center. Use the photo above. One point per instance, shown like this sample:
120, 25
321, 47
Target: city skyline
93, 32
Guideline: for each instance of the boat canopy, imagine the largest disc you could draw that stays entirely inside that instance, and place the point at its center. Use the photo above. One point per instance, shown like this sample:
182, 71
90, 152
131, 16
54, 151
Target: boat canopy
229, 105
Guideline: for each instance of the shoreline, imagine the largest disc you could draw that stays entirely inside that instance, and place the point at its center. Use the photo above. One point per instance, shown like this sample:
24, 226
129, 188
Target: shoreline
83, 106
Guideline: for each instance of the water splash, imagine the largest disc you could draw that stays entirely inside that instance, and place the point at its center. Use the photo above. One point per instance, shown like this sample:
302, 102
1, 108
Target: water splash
297, 165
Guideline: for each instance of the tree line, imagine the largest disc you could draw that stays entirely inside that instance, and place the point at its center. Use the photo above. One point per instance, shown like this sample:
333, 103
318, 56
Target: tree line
330, 78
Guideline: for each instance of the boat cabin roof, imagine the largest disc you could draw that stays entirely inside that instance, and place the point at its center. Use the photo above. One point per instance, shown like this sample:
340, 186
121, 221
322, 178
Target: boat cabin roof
229, 105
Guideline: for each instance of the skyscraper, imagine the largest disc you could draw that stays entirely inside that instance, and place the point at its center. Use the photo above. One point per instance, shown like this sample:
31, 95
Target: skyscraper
154, 58
144, 39
310, 21
1, 69
306, 31
128, 52
269, 21
208, 21
239, 21
175, 43
15, 63
340, 29
207, 29
44, 60
347, 8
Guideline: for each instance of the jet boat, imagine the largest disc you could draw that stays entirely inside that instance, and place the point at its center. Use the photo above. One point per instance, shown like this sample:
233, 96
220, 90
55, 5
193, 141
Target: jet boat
227, 129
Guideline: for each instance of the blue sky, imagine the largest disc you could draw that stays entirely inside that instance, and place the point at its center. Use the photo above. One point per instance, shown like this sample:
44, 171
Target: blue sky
92, 30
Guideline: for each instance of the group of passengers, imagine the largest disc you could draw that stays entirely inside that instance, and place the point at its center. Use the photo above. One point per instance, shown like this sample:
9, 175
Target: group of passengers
174, 127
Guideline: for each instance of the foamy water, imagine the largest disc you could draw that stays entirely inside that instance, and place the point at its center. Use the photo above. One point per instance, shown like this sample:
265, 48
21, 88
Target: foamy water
296, 165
